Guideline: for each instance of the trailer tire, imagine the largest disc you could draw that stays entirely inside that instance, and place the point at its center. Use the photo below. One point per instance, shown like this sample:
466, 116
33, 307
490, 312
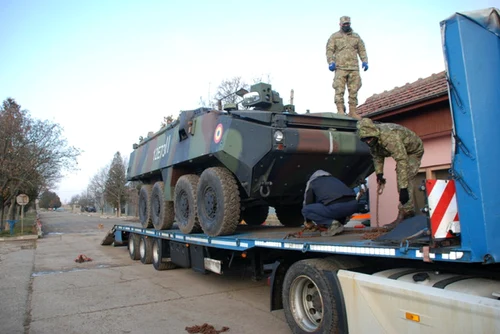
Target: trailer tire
133, 246
186, 212
312, 298
145, 206
146, 249
218, 202
162, 212
158, 262
290, 215
255, 215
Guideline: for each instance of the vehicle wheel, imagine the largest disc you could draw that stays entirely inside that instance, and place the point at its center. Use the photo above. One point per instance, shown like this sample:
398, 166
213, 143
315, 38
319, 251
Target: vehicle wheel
133, 246
145, 206
218, 202
158, 262
162, 212
255, 215
146, 249
290, 215
186, 213
312, 302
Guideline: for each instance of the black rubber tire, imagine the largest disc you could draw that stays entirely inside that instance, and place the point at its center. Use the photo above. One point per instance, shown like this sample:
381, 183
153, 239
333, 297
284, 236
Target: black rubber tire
146, 249
218, 202
162, 212
145, 206
290, 215
255, 215
186, 212
158, 262
312, 304
133, 246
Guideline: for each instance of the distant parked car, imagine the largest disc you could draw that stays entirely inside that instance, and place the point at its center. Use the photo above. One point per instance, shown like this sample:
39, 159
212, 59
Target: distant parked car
90, 209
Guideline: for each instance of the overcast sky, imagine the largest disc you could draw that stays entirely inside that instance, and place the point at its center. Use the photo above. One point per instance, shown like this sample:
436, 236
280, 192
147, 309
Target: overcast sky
109, 71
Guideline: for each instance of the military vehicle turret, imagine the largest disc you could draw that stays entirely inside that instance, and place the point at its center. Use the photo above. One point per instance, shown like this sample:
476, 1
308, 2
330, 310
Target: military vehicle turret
211, 169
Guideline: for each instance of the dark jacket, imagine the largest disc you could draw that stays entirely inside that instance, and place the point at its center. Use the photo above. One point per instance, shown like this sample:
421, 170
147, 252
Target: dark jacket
323, 188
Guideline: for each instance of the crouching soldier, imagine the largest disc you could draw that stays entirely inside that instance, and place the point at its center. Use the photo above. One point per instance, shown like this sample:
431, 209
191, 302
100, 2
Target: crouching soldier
329, 202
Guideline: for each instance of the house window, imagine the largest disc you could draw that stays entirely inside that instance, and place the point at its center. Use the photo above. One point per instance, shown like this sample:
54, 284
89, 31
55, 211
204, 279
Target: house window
440, 172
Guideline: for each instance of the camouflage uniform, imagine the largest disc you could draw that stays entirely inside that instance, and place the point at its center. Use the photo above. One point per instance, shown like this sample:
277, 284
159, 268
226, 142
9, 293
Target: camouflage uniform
343, 49
400, 143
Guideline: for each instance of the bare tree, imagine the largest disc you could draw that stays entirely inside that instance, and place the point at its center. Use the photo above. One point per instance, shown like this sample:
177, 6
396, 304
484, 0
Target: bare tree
167, 120
74, 200
227, 88
97, 187
33, 155
116, 189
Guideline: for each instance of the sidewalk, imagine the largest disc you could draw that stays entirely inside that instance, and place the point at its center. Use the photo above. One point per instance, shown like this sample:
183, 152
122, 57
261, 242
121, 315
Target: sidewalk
21, 237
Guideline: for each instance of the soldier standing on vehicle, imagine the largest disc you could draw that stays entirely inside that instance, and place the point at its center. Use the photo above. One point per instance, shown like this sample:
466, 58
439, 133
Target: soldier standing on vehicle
406, 148
342, 52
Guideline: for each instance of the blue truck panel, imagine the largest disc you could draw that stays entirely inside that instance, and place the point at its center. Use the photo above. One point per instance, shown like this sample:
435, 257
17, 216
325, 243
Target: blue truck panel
471, 45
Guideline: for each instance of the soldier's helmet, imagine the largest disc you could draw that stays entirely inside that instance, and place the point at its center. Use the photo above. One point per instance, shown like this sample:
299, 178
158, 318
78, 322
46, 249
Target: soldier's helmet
345, 19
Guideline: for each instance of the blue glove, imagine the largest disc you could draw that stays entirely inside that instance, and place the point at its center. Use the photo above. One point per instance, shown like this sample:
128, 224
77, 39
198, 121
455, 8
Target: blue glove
365, 65
332, 67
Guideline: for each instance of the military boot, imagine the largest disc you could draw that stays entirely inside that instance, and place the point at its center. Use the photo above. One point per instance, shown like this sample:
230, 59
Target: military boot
340, 109
401, 216
353, 112
335, 228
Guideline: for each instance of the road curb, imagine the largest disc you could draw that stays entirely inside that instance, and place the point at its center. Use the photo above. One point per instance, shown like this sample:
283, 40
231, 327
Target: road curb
23, 237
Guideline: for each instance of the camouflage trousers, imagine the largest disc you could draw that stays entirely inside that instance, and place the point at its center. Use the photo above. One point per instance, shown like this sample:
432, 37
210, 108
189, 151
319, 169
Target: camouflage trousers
352, 80
413, 167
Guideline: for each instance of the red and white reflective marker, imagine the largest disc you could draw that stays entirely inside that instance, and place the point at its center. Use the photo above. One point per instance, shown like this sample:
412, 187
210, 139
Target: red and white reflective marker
442, 199
218, 133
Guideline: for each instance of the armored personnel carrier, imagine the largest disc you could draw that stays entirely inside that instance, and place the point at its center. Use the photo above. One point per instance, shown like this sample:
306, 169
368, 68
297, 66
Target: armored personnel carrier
211, 169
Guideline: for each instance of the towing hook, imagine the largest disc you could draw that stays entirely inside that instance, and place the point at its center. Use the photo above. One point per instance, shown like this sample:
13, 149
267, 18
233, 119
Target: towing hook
265, 188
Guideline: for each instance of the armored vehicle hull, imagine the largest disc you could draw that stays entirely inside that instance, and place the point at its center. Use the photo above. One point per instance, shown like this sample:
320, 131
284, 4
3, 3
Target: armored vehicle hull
215, 168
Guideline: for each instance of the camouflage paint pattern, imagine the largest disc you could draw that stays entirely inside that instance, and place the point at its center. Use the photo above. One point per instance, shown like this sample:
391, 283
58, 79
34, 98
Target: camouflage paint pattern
243, 141
352, 80
400, 143
343, 49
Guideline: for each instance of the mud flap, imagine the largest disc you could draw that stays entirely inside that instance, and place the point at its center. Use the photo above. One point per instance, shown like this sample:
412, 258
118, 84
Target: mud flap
277, 277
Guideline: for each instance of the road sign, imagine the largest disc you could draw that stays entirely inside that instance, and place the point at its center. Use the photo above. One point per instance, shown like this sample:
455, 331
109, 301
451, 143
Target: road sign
22, 199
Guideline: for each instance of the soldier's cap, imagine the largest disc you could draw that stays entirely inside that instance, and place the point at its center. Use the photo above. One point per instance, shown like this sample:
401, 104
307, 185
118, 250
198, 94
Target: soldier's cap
345, 19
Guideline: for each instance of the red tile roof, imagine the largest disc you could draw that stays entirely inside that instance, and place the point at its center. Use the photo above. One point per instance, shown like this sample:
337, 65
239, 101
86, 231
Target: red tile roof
418, 91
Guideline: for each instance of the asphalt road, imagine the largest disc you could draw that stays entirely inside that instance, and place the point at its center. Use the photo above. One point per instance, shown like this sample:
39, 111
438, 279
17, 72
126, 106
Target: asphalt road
43, 290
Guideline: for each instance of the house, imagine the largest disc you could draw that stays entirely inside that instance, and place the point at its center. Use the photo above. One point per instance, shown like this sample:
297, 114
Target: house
422, 106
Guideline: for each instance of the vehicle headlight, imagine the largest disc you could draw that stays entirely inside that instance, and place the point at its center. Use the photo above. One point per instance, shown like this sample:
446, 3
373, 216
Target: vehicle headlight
278, 136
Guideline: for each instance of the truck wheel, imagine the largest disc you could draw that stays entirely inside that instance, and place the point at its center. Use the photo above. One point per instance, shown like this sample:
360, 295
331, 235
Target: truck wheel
162, 212
255, 215
133, 246
186, 213
218, 202
158, 262
311, 301
145, 206
290, 215
146, 249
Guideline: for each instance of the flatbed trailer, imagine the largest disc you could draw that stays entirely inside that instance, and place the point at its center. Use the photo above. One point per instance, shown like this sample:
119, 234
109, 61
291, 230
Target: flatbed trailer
428, 274
339, 284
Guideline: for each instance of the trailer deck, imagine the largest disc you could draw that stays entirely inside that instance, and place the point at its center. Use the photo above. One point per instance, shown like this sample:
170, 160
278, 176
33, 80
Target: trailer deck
352, 241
